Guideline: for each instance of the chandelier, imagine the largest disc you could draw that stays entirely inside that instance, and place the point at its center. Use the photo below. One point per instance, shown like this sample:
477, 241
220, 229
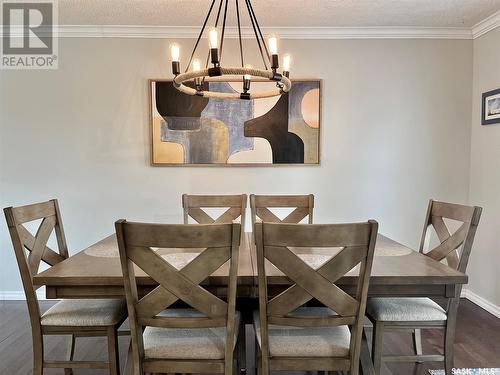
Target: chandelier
268, 52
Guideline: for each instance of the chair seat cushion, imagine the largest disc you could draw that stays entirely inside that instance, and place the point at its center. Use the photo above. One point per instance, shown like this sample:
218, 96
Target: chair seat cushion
404, 309
186, 343
85, 312
291, 341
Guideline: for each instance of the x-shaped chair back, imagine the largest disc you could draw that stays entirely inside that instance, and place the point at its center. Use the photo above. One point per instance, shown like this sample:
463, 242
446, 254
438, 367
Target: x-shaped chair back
194, 206
450, 244
220, 243
261, 207
31, 249
357, 243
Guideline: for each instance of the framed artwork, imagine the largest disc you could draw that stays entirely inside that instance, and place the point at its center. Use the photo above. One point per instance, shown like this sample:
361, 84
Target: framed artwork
491, 108
192, 130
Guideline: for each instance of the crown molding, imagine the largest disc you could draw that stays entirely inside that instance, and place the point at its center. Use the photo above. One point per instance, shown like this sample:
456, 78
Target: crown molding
190, 32
486, 25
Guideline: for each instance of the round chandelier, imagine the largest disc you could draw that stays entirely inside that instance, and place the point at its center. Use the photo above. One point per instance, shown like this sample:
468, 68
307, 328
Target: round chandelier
268, 52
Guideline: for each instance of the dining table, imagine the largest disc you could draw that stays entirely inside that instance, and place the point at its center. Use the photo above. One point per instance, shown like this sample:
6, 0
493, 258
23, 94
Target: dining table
397, 271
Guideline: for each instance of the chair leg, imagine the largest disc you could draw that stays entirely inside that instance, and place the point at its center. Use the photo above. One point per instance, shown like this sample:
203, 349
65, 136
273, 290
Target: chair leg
449, 339
378, 332
448, 348
228, 367
71, 353
417, 342
113, 358
261, 361
37, 354
264, 361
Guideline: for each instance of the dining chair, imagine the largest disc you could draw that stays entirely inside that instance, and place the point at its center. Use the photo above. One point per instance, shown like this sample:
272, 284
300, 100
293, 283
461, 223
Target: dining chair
293, 337
76, 318
261, 207
414, 314
195, 207
166, 339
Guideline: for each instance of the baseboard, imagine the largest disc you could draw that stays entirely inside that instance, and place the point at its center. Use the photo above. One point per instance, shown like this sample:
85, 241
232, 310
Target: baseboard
481, 302
19, 295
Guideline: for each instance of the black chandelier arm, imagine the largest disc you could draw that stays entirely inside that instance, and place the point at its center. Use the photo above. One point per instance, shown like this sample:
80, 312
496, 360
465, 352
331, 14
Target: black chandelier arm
239, 32
218, 13
200, 35
255, 32
259, 30
223, 30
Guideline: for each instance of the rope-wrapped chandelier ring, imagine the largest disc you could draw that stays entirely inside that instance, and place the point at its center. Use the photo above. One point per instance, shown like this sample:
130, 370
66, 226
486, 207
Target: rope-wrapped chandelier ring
283, 81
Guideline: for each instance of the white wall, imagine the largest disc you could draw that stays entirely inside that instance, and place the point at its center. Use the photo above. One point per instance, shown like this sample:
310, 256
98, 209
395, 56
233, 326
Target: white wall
395, 132
485, 173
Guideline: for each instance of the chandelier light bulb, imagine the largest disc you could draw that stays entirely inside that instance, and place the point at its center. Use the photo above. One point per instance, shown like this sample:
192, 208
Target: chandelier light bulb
213, 38
286, 62
196, 65
175, 52
273, 44
176, 65
246, 82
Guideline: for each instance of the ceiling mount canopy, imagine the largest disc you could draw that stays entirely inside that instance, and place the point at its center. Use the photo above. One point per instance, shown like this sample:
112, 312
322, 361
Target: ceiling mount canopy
268, 52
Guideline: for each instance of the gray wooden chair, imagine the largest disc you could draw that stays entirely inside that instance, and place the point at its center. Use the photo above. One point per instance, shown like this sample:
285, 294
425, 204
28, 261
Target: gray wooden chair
76, 318
293, 337
194, 206
413, 314
180, 340
261, 207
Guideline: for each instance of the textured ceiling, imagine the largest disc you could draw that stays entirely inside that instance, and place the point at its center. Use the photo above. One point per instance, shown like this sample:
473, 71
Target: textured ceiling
352, 13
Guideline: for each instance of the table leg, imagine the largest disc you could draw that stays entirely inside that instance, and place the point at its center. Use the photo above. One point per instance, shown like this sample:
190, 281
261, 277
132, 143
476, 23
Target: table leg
128, 361
365, 358
241, 349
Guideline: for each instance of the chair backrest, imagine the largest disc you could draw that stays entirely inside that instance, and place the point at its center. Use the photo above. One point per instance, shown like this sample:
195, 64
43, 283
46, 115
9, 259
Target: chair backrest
36, 245
218, 243
194, 206
450, 244
261, 206
357, 243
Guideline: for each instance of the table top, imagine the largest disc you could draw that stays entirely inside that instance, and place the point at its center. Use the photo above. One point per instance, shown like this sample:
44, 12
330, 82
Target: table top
394, 264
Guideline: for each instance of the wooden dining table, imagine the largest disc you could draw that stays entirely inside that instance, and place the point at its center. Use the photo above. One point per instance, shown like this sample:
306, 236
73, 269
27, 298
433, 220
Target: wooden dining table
397, 270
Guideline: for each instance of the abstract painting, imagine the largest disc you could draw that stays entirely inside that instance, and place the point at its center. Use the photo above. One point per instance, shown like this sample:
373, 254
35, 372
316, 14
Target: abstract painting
192, 130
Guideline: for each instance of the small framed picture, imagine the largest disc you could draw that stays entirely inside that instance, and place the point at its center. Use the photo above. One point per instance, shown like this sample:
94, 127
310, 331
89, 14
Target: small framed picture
491, 107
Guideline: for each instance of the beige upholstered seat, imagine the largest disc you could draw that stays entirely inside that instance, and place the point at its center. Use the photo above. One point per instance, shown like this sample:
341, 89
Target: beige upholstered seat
290, 341
404, 309
85, 312
186, 343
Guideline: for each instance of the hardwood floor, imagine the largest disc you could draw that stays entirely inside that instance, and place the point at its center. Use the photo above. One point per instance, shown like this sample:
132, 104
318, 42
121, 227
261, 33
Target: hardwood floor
477, 343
